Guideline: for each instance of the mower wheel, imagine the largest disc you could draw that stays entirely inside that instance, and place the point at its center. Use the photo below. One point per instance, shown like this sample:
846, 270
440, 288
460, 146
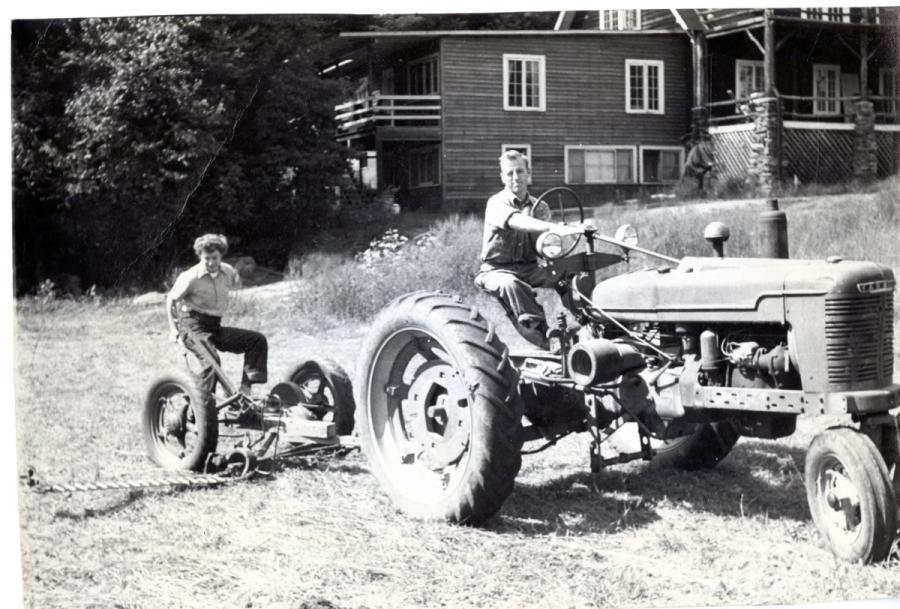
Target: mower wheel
440, 416
328, 388
180, 423
851, 496
703, 449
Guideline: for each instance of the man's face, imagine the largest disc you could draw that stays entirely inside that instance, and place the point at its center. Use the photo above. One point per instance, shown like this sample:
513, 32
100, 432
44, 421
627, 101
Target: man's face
212, 260
515, 176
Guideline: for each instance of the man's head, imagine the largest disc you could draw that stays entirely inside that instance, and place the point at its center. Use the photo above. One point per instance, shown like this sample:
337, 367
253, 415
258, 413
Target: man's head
210, 249
515, 171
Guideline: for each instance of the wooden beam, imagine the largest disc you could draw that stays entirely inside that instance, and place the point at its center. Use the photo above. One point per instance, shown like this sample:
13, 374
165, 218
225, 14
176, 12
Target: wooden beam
847, 45
769, 52
758, 44
699, 40
864, 65
783, 40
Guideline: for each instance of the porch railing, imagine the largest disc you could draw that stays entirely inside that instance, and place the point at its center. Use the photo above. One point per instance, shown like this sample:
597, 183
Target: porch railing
390, 110
808, 108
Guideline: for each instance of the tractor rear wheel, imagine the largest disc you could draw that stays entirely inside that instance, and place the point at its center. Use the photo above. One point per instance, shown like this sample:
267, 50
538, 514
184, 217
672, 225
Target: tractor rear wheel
439, 413
851, 496
327, 387
703, 449
180, 423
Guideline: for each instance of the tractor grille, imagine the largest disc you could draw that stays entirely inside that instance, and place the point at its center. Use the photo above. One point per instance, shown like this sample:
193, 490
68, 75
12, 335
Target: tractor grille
859, 340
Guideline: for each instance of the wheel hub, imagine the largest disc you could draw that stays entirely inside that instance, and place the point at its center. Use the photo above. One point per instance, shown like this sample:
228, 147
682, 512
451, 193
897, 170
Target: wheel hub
842, 498
175, 416
436, 417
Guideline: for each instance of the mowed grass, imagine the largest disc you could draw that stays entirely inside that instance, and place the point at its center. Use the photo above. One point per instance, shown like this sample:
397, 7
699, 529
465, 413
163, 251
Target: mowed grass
632, 535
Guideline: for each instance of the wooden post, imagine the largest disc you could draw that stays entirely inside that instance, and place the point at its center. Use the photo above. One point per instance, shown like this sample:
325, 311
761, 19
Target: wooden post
769, 63
699, 69
864, 55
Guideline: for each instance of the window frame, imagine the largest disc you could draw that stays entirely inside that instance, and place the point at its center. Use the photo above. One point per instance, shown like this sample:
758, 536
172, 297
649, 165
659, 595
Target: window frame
542, 82
738, 63
821, 14
678, 149
831, 67
607, 147
505, 147
421, 150
644, 63
620, 19
421, 61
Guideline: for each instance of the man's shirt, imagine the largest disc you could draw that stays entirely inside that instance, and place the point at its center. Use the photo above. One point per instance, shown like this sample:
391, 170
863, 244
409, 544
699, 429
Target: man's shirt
200, 291
503, 245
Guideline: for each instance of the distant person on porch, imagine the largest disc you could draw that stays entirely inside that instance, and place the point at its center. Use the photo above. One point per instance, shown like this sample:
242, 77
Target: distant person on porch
201, 294
509, 269
700, 161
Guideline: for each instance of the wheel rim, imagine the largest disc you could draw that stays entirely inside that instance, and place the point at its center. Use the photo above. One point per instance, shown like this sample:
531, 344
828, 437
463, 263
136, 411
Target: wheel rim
419, 412
839, 501
173, 426
317, 391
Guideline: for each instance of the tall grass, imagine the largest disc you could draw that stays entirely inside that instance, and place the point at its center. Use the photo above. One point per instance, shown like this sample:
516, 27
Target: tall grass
862, 226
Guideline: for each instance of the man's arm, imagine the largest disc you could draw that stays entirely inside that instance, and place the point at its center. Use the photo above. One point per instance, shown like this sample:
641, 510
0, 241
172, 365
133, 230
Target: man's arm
522, 222
177, 292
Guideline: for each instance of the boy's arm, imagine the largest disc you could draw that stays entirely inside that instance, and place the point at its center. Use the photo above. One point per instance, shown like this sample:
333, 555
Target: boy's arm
177, 292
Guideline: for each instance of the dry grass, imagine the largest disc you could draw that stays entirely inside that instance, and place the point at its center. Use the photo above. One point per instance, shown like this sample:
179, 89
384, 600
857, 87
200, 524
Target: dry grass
325, 533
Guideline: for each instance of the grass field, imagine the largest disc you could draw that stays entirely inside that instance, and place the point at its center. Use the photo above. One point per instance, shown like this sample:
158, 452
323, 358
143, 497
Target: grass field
322, 534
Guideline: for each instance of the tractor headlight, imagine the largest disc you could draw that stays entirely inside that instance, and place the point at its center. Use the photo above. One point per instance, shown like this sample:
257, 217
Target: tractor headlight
550, 245
627, 234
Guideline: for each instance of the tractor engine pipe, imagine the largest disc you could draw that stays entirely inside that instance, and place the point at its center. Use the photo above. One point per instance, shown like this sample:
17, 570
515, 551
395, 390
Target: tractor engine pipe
602, 361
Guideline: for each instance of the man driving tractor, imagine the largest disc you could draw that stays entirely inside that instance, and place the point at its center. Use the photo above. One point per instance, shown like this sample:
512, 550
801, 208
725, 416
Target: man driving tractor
509, 269
201, 294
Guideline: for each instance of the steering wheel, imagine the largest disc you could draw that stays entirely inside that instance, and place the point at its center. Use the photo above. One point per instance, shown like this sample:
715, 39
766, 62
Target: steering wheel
561, 193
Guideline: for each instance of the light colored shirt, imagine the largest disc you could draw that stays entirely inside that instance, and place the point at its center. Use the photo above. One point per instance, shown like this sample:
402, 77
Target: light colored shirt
503, 245
199, 291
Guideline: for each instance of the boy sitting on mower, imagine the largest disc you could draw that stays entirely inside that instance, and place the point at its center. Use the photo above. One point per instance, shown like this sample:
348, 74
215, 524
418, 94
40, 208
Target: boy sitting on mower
201, 295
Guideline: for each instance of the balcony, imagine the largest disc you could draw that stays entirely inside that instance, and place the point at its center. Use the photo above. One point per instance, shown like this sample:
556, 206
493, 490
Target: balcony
393, 117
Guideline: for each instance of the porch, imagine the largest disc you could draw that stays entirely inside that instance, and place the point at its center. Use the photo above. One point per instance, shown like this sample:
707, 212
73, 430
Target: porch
389, 118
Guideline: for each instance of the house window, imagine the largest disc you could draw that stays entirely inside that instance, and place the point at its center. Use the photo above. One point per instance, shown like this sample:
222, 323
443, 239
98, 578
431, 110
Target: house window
644, 86
835, 13
661, 164
524, 82
889, 88
424, 167
826, 89
600, 164
620, 19
524, 149
748, 77
423, 76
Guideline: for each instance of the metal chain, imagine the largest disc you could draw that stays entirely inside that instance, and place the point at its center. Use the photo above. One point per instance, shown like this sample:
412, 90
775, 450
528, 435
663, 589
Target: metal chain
189, 480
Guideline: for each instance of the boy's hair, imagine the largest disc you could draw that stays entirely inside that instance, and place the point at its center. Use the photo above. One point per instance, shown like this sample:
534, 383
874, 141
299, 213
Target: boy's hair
512, 156
210, 242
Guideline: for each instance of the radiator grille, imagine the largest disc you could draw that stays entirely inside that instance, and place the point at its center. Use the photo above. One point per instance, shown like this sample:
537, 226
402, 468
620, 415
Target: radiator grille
859, 340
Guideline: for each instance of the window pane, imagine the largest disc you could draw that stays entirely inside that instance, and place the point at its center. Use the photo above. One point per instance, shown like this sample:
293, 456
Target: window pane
652, 87
650, 161
532, 94
636, 87
623, 166
630, 19
576, 167
515, 83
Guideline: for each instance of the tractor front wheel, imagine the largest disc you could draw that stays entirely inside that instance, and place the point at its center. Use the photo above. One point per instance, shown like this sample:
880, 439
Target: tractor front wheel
439, 412
851, 496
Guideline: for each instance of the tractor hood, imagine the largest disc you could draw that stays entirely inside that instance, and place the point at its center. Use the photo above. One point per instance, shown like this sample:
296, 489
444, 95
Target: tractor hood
733, 289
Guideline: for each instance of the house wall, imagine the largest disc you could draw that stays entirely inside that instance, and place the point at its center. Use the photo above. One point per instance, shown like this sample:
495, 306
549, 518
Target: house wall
585, 105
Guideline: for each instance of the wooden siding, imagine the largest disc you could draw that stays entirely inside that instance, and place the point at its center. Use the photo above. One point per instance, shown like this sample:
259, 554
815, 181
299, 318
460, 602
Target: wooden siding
585, 78
659, 19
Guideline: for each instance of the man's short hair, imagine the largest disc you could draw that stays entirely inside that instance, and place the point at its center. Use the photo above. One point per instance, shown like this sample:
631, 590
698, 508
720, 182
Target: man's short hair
511, 156
211, 242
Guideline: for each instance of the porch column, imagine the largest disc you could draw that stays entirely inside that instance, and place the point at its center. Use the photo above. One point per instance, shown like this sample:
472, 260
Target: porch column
764, 166
865, 144
699, 113
769, 45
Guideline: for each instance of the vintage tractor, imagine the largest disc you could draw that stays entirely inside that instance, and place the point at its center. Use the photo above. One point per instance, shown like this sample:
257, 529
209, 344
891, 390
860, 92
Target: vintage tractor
690, 355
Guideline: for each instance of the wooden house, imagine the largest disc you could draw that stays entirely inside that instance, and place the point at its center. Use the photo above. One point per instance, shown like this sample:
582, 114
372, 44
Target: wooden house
603, 102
